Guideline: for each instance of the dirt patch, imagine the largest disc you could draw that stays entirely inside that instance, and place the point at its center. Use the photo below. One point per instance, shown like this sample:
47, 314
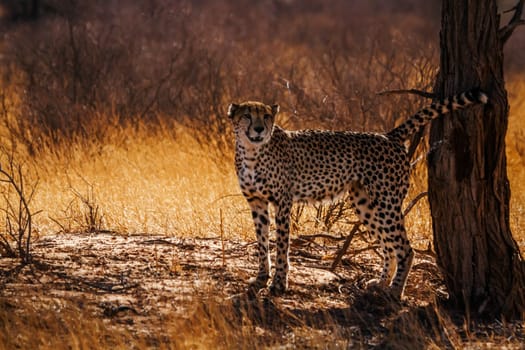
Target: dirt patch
139, 282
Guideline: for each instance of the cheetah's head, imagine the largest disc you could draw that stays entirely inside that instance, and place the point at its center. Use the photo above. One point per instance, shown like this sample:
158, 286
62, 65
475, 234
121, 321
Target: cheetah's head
253, 121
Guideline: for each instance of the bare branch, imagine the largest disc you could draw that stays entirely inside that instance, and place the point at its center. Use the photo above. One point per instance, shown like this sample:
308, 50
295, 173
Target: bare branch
19, 217
425, 94
374, 248
414, 142
414, 202
320, 235
343, 250
506, 32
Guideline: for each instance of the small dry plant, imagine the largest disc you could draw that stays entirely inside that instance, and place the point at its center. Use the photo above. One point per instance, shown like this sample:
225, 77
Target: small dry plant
15, 237
92, 219
83, 213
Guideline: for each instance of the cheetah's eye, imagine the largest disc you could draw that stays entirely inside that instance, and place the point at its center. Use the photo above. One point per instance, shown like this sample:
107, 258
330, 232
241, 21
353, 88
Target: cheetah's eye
247, 116
267, 117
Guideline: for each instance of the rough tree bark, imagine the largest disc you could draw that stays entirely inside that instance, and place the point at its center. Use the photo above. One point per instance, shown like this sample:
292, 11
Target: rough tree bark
468, 187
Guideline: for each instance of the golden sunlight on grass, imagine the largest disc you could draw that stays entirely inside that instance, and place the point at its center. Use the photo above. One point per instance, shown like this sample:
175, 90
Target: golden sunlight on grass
140, 181
516, 157
57, 325
163, 181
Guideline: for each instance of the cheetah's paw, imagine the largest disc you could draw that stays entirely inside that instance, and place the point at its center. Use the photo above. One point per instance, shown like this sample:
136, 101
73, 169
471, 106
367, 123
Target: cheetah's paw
257, 283
278, 288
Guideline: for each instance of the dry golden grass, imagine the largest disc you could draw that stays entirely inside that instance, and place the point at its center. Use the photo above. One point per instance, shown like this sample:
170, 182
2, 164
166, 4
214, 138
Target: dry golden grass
140, 181
160, 180
57, 325
516, 156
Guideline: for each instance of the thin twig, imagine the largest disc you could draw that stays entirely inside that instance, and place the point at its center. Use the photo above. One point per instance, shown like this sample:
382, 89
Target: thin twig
516, 20
343, 249
413, 202
224, 197
321, 235
371, 247
157, 241
408, 91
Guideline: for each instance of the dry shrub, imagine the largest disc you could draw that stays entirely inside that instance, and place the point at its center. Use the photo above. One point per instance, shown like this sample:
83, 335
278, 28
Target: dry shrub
17, 215
75, 74
87, 63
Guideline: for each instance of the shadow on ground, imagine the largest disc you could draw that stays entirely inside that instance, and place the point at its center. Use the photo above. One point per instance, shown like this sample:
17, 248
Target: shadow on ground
143, 283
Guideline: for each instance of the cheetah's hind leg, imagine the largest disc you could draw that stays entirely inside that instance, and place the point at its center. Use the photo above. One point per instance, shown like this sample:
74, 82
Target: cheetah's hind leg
366, 210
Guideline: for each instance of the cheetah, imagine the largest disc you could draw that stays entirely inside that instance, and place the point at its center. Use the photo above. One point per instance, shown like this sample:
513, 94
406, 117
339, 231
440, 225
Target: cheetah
281, 167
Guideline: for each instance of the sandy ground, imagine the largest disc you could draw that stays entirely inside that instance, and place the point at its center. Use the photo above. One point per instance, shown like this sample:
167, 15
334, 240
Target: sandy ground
138, 281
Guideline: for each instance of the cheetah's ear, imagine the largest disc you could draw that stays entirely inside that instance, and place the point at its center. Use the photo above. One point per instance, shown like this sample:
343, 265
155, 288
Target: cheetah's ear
275, 109
231, 109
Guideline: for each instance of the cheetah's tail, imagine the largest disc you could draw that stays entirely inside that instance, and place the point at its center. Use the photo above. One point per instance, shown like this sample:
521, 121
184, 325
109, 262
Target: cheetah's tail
437, 108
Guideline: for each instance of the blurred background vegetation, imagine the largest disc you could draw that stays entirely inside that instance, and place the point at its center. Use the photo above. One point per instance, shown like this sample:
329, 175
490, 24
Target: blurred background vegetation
73, 67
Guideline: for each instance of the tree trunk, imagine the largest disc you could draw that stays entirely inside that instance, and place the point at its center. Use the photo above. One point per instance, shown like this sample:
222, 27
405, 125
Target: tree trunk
468, 187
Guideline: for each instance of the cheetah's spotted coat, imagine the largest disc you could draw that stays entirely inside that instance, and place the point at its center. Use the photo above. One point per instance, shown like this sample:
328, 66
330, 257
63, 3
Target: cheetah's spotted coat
280, 167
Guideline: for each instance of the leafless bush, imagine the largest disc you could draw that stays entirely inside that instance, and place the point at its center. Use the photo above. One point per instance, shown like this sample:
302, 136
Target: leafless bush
83, 214
15, 237
348, 76
74, 74
92, 218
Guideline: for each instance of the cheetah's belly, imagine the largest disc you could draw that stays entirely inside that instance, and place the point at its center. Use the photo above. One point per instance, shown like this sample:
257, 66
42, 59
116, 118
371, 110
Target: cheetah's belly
314, 191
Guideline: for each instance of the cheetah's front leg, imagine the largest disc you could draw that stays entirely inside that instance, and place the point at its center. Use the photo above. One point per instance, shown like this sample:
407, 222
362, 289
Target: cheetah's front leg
261, 221
282, 223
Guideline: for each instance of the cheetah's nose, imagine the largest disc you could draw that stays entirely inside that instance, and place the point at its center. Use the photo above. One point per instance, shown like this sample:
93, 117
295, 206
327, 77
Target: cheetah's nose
258, 129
